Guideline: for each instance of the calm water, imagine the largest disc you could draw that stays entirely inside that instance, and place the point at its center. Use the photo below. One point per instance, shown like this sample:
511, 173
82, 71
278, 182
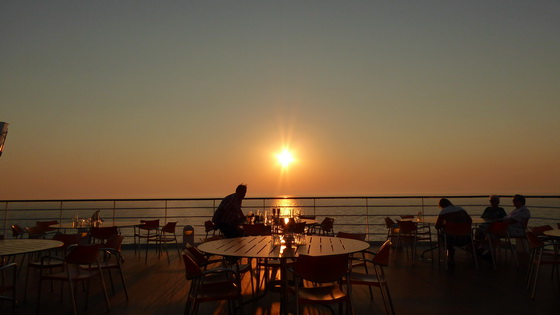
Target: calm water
352, 214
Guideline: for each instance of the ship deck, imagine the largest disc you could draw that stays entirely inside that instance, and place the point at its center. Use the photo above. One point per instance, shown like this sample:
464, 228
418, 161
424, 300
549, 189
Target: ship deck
425, 287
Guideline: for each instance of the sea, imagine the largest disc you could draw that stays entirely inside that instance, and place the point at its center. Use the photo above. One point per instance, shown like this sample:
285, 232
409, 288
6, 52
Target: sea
354, 214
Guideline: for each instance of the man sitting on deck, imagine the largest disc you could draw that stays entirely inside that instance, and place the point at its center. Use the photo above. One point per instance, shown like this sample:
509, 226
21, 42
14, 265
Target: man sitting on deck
518, 218
228, 217
455, 214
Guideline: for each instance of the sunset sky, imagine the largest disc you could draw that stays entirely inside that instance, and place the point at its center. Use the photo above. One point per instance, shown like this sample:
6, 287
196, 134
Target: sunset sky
172, 99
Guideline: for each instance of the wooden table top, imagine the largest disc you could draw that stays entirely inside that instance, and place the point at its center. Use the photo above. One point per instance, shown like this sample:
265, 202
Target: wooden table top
433, 219
552, 233
108, 223
20, 246
262, 247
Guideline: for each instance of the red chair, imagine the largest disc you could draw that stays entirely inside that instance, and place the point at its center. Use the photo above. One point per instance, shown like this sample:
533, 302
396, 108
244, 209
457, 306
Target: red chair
540, 256
112, 260
8, 274
328, 275
377, 279
73, 273
167, 235
210, 285
148, 230
53, 260
409, 232
102, 234
458, 235
496, 237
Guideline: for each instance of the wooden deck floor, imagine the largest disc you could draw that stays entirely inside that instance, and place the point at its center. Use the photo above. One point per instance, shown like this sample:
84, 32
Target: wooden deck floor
159, 287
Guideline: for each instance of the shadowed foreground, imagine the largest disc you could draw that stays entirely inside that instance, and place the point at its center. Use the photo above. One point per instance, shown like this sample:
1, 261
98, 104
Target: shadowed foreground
159, 287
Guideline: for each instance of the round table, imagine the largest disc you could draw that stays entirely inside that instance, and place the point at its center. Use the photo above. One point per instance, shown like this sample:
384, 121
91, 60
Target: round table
263, 247
107, 223
552, 233
11, 247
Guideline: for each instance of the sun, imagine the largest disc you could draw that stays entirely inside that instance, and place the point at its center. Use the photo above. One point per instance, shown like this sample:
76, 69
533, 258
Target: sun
285, 158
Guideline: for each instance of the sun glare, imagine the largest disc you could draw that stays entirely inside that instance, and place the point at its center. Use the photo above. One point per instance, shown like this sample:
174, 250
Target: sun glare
285, 158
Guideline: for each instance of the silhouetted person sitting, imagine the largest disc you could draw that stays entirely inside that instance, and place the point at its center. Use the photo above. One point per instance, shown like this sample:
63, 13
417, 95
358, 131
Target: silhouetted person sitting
228, 217
454, 214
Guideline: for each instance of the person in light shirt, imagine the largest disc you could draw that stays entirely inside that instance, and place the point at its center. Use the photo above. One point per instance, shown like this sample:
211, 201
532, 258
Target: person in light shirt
518, 218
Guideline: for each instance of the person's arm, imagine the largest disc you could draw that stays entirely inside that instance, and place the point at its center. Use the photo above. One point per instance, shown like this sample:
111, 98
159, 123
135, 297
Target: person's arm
439, 222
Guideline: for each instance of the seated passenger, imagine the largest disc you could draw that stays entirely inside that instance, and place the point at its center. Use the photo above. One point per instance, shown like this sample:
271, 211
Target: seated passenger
455, 214
518, 218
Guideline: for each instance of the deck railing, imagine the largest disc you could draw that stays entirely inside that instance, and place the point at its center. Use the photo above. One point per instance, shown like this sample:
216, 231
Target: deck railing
364, 214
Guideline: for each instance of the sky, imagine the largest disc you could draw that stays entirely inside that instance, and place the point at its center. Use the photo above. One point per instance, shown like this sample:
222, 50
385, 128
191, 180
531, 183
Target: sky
181, 99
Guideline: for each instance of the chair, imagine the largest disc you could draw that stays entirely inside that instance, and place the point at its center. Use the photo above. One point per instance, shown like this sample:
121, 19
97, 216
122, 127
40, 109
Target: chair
255, 229
209, 226
299, 228
46, 226
329, 282
496, 237
35, 232
73, 273
377, 279
112, 259
210, 285
167, 235
539, 256
326, 227
392, 228
457, 235
8, 282
409, 231
239, 268
17, 231
147, 229
102, 234
50, 261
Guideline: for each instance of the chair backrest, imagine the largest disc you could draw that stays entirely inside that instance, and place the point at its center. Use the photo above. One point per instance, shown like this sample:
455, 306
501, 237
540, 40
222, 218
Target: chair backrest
35, 232
67, 239
539, 230
104, 233
196, 255
209, 226
354, 236
114, 242
149, 224
46, 225
253, 229
389, 223
299, 227
406, 227
533, 240
382, 255
17, 231
327, 224
499, 228
321, 269
458, 229
192, 270
83, 254
169, 227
